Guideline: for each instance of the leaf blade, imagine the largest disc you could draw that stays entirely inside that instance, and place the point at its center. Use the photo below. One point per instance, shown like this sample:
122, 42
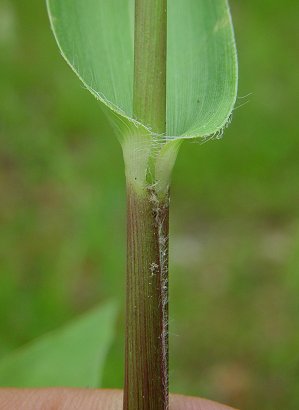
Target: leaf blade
96, 38
202, 67
66, 357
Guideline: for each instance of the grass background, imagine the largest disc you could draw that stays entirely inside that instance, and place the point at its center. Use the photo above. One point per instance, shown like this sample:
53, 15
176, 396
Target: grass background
234, 220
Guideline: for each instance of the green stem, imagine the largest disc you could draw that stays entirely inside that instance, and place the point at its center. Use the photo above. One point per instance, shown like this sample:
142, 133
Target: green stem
150, 63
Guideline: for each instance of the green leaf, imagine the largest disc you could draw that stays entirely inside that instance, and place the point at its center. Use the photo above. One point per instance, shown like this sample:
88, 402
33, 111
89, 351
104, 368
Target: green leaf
73, 356
96, 38
202, 67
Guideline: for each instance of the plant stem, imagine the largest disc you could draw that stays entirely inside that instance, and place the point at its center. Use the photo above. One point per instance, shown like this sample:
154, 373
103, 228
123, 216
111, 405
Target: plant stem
146, 363
146, 381
150, 63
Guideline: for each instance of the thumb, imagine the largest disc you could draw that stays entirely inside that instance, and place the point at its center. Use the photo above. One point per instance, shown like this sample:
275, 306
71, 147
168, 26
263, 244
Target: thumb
86, 399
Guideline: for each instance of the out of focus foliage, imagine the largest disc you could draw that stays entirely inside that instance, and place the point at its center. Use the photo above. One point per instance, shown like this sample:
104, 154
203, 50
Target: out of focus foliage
73, 356
235, 217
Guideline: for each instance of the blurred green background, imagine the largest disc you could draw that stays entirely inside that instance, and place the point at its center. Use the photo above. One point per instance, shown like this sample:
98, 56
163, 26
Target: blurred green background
234, 288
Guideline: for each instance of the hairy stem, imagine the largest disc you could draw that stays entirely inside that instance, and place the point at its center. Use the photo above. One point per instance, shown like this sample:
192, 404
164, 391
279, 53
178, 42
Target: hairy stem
146, 381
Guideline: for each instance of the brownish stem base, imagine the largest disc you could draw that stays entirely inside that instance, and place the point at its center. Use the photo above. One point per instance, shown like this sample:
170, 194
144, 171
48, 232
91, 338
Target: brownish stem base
146, 362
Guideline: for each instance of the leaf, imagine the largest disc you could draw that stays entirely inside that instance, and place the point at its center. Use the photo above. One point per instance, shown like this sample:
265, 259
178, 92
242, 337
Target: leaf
96, 37
202, 67
73, 356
